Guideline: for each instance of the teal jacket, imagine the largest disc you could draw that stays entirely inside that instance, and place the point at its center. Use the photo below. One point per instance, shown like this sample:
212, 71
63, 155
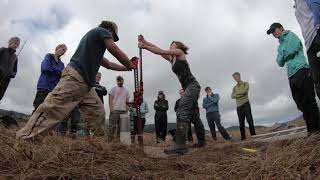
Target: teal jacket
143, 109
290, 52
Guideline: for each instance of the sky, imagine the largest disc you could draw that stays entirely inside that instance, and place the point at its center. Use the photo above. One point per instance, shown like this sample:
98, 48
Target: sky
223, 37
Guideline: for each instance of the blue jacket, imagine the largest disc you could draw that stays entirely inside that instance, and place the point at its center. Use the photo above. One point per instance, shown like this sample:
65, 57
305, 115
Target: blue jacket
51, 71
315, 9
210, 103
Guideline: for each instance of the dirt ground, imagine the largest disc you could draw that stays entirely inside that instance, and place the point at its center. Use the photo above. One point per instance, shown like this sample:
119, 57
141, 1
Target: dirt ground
54, 157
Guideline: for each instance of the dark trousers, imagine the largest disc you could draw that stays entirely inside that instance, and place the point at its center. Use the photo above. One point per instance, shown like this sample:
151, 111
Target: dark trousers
314, 62
244, 112
161, 123
40, 96
198, 125
63, 126
190, 138
74, 121
3, 86
302, 89
134, 131
213, 119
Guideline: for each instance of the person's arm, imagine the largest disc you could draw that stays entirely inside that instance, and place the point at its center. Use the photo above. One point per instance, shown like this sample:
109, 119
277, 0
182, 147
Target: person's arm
167, 53
104, 91
244, 90
235, 94
118, 54
314, 6
215, 98
110, 103
46, 65
207, 103
111, 94
166, 105
156, 106
146, 108
290, 48
176, 105
144, 41
15, 69
113, 66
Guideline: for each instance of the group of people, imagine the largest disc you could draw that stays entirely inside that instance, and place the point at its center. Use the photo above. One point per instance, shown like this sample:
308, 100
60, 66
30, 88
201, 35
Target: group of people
64, 92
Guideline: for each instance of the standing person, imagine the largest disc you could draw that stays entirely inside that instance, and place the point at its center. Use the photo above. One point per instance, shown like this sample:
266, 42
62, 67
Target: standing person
196, 121
308, 15
8, 64
290, 53
75, 87
161, 106
211, 105
100, 90
143, 111
189, 136
51, 70
240, 93
176, 56
118, 98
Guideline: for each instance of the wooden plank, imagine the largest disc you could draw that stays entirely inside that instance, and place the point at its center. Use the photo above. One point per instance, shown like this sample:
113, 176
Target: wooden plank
281, 135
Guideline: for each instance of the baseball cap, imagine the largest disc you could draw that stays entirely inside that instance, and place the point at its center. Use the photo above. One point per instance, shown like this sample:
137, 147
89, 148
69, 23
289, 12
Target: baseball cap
273, 27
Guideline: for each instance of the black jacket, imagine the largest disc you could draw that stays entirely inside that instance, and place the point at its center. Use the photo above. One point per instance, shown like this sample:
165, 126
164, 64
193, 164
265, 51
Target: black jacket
101, 91
8, 63
161, 105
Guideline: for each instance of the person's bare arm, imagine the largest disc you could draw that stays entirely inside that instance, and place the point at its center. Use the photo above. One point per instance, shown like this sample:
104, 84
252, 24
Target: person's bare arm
110, 103
118, 54
144, 41
110, 65
167, 54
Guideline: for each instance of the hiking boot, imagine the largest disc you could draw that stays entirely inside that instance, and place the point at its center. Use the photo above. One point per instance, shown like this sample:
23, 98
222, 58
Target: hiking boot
197, 145
179, 147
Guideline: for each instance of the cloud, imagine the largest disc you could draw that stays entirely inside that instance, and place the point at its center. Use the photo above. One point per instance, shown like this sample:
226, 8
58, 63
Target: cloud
223, 36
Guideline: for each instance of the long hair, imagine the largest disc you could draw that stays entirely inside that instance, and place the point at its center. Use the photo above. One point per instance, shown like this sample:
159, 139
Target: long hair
181, 46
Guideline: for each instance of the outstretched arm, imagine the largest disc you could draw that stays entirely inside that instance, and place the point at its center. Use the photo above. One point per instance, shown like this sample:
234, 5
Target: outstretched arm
117, 53
144, 42
110, 65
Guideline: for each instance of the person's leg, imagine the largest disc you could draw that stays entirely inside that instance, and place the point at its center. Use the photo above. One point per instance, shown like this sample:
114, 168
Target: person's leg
157, 122
113, 117
164, 125
241, 116
40, 97
314, 62
210, 119
57, 105
3, 87
75, 119
248, 114
198, 128
93, 113
221, 129
309, 104
186, 105
190, 138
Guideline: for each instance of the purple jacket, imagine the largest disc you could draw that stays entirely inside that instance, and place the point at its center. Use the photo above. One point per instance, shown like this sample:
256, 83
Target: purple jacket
51, 71
315, 9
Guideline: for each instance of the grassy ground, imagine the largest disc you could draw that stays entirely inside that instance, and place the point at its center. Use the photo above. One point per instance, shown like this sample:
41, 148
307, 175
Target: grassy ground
54, 157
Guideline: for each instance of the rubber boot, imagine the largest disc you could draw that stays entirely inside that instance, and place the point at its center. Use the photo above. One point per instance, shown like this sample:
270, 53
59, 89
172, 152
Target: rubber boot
180, 146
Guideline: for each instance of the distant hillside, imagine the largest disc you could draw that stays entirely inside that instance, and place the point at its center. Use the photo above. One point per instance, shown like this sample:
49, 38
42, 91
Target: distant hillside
233, 128
15, 115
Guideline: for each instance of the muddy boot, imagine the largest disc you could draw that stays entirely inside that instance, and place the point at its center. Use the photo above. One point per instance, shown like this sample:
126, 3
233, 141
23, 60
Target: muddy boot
180, 146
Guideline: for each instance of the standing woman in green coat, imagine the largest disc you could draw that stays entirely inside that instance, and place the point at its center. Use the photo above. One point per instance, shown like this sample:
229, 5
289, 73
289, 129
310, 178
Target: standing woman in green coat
290, 53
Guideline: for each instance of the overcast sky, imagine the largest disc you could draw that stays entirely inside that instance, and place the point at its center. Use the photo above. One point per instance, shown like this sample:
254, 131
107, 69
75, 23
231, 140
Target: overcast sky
223, 36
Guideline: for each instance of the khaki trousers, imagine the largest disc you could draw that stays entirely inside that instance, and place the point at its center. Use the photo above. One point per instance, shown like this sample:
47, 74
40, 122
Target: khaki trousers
69, 92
